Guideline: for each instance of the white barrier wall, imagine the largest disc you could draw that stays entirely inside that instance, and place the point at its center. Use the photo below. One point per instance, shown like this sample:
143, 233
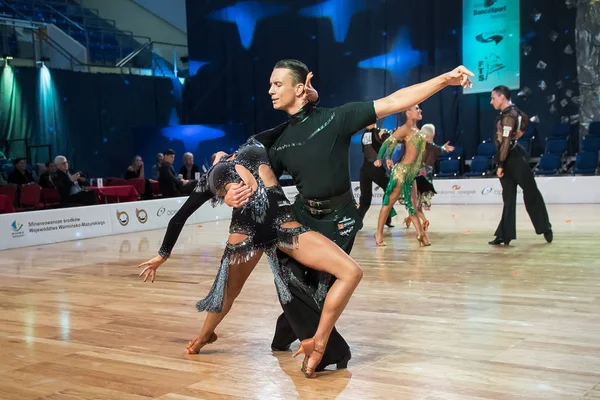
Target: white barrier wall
54, 226
556, 190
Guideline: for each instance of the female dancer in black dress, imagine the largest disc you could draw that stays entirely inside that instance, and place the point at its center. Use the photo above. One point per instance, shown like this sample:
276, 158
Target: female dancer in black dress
265, 223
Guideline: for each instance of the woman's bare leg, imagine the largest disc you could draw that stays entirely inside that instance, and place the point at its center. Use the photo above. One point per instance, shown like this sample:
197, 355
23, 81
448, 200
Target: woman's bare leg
384, 212
238, 274
415, 218
317, 252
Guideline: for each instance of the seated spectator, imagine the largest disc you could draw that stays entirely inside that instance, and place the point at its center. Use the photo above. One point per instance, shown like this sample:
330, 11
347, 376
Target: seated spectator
20, 175
188, 169
156, 167
47, 177
170, 184
71, 186
136, 169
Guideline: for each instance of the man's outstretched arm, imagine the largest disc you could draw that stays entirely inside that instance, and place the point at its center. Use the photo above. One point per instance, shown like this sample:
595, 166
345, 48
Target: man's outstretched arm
405, 98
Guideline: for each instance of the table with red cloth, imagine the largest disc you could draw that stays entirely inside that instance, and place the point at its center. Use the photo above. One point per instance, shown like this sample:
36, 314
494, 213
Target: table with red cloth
123, 193
6, 205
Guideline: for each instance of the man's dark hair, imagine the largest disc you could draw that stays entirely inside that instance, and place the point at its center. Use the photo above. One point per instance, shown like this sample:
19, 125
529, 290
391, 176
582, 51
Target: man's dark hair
168, 152
503, 90
298, 69
18, 160
48, 163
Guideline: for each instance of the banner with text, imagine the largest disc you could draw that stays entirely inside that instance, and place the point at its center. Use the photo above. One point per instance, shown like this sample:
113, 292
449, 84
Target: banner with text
490, 43
556, 190
62, 225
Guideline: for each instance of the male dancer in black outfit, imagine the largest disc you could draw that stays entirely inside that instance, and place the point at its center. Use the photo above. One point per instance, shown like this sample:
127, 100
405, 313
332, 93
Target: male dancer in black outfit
372, 139
313, 147
514, 170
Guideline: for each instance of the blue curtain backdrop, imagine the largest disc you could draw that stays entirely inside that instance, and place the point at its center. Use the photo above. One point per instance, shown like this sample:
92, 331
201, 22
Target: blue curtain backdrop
87, 117
363, 50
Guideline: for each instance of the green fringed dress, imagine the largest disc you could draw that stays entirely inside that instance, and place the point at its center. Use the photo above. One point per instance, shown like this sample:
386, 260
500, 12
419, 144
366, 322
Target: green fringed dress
403, 174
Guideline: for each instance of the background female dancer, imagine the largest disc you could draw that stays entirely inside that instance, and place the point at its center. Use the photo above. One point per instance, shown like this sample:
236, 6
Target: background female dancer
401, 186
424, 180
265, 223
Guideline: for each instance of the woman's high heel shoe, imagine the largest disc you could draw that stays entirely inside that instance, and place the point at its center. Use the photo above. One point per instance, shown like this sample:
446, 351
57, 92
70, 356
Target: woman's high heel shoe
308, 347
190, 346
423, 241
426, 225
407, 222
380, 243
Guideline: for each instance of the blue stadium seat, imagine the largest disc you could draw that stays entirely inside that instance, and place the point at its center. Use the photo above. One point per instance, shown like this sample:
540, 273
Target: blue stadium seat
590, 144
561, 130
556, 146
486, 148
586, 163
480, 166
448, 168
8, 168
530, 131
549, 164
525, 143
457, 154
594, 129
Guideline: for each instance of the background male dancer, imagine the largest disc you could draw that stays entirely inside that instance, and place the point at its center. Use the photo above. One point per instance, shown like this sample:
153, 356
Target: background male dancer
371, 140
313, 147
513, 170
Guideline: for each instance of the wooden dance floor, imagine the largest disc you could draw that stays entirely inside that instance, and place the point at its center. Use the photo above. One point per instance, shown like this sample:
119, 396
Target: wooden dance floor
458, 320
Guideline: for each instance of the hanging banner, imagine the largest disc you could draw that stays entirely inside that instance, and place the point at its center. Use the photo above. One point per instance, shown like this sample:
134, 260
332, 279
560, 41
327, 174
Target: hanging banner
490, 43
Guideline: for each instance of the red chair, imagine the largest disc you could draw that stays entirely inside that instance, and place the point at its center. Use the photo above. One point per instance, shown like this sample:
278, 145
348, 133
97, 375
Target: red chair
139, 184
31, 196
50, 198
117, 182
6, 206
155, 188
10, 191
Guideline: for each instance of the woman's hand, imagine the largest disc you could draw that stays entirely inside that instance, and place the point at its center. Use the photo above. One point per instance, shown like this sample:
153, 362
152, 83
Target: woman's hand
151, 267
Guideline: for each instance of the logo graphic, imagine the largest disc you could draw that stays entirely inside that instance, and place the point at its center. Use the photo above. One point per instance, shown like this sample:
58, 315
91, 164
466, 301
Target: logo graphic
489, 9
486, 190
17, 229
455, 187
494, 38
123, 218
16, 226
142, 216
345, 226
488, 66
356, 188
162, 211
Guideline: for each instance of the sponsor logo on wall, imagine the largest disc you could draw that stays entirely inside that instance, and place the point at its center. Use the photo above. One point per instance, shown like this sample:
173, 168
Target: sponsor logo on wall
123, 218
164, 211
17, 229
141, 215
36, 227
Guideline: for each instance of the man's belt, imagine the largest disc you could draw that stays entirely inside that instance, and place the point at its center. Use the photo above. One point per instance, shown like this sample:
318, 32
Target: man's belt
326, 206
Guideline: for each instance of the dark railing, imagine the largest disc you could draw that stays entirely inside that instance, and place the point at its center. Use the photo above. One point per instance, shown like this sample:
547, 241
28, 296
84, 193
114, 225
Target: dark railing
164, 57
